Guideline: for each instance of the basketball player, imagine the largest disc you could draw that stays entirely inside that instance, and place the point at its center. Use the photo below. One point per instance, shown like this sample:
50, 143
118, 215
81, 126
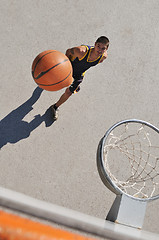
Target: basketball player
82, 58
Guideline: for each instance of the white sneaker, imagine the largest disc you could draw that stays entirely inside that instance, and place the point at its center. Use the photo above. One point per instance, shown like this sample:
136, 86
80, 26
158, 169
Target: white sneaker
54, 113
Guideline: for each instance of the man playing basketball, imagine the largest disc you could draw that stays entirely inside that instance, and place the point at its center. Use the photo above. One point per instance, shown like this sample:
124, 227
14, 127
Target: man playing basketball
82, 58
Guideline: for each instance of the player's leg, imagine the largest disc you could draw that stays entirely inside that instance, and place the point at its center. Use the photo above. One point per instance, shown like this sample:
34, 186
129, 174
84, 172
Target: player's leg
62, 99
69, 91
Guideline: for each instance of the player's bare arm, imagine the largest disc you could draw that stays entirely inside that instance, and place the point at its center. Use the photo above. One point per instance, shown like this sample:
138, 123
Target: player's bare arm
74, 52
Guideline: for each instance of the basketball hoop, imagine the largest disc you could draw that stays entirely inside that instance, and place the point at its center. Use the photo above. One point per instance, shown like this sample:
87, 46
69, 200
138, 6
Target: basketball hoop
128, 160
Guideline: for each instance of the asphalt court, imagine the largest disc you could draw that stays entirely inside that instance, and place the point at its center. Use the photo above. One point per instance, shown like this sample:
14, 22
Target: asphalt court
57, 162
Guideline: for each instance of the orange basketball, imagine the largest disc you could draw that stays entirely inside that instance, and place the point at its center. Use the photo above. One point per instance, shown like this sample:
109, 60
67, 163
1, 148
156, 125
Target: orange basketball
52, 70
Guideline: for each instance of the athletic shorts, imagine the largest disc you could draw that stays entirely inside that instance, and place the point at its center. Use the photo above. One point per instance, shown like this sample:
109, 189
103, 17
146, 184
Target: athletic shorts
74, 87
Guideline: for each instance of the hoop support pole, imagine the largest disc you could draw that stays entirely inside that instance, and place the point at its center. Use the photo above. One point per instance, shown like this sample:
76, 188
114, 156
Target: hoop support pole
128, 211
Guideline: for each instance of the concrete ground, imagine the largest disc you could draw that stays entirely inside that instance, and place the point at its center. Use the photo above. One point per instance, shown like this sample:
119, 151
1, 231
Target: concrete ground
57, 162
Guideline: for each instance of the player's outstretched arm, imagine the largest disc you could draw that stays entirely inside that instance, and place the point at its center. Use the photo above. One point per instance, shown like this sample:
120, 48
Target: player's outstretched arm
74, 52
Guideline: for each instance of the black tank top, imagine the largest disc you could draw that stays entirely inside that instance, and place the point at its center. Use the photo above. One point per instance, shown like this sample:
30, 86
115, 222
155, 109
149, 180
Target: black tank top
83, 64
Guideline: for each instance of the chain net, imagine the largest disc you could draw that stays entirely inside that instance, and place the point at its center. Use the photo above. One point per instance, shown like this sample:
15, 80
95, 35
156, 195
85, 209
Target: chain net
131, 159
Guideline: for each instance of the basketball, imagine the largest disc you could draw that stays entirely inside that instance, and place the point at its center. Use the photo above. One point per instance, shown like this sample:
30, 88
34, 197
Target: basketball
52, 70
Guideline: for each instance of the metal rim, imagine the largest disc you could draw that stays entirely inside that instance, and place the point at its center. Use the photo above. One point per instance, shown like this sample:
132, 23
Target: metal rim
100, 160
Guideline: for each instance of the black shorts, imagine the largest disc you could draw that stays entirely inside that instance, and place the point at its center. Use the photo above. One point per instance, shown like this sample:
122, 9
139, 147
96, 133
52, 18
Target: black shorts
74, 87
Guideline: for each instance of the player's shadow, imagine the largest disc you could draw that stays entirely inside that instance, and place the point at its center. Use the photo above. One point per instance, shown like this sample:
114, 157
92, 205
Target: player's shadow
13, 128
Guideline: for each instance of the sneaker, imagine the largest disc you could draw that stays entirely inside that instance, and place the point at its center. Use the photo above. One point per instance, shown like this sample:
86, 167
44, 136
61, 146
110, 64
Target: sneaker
54, 113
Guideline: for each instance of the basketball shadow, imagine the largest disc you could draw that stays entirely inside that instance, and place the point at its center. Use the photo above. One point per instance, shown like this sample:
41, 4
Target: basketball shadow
13, 128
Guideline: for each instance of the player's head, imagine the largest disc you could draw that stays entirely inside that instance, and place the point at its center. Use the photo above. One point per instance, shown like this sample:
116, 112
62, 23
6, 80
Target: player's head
104, 40
101, 45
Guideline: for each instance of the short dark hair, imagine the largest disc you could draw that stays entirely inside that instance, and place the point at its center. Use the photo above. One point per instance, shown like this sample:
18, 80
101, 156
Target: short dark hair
103, 40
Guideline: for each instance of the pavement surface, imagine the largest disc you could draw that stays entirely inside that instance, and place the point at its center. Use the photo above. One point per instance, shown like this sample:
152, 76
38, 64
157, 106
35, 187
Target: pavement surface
56, 162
